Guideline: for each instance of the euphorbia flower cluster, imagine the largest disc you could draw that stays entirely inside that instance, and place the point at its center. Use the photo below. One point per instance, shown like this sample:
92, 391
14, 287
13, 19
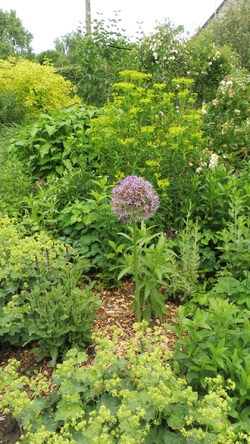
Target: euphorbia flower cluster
134, 199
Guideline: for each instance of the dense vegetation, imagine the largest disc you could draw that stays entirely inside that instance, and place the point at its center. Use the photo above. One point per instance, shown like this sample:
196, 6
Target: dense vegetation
174, 112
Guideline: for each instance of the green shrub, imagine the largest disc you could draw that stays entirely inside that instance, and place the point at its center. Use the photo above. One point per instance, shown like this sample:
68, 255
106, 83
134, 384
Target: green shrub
213, 340
153, 133
39, 295
132, 398
15, 184
56, 142
23, 255
226, 119
35, 88
89, 225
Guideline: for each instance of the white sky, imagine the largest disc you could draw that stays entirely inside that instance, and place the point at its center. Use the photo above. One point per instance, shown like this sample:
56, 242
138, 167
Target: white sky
49, 19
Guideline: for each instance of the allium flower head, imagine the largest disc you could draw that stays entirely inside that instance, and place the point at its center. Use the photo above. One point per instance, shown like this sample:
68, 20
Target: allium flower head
134, 199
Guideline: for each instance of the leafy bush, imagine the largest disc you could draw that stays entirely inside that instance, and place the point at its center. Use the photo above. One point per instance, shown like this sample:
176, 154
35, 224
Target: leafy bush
153, 133
21, 254
15, 184
166, 54
136, 398
94, 63
54, 313
36, 89
215, 340
219, 199
56, 142
226, 118
39, 295
89, 225
207, 65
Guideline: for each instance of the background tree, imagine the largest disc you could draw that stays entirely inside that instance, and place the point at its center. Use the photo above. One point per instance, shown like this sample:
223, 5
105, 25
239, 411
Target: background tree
233, 29
94, 62
14, 38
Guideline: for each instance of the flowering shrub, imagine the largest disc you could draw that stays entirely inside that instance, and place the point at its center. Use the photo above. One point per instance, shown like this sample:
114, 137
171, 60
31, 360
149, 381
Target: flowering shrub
226, 118
134, 200
37, 89
153, 133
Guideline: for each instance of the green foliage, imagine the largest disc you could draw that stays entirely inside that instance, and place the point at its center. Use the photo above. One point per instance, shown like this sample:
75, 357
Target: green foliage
88, 224
40, 295
56, 142
215, 340
216, 194
15, 184
132, 399
153, 133
236, 291
207, 65
232, 28
20, 254
163, 53
168, 268
15, 39
54, 312
166, 54
11, 112
95, 61
146, 262
226, 118
235, 241
34, 88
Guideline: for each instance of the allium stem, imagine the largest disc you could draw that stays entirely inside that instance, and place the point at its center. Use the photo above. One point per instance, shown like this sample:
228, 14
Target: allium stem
136, 274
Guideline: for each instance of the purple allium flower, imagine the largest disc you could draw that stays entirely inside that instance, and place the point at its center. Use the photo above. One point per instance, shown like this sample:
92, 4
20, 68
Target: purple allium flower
134, 200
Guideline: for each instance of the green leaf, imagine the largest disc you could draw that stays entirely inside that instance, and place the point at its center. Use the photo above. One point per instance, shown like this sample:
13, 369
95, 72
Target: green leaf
50, 129
176, 420
174, 438
45, 149
126, 270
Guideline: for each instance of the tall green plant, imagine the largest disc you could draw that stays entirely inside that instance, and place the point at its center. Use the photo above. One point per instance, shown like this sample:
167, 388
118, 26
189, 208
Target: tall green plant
151, 132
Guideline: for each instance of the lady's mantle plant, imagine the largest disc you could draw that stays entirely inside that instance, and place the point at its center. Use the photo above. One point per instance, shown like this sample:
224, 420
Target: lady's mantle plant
134, 201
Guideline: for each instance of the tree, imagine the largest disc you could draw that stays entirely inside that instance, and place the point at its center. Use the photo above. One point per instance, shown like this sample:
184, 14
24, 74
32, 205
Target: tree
233, 29
95, 61
14, 38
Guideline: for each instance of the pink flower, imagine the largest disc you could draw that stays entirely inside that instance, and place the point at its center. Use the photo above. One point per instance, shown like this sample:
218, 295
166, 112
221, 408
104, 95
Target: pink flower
134, 200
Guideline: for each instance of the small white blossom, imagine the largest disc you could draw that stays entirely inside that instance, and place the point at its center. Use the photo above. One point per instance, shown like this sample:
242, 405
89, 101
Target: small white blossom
213, 161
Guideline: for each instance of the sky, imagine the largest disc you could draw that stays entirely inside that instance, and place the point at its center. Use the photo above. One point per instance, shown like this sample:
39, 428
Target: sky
51, 19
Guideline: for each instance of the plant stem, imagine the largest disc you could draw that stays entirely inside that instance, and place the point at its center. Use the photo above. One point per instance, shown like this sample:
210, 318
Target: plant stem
136, 275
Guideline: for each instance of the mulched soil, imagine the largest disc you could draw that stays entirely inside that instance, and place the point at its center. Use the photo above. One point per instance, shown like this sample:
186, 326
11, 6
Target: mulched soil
115, 311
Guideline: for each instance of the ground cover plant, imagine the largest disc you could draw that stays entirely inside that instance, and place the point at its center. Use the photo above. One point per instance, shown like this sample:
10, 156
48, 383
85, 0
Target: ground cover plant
151, 187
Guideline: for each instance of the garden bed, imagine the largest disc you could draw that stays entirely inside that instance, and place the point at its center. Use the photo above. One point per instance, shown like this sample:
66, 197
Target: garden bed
115, 311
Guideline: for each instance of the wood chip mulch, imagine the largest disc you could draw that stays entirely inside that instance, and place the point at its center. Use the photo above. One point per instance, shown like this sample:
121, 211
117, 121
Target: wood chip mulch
116, 310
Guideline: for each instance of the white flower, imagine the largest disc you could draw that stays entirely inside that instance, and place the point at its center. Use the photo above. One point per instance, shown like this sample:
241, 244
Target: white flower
213, 161
237, 111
